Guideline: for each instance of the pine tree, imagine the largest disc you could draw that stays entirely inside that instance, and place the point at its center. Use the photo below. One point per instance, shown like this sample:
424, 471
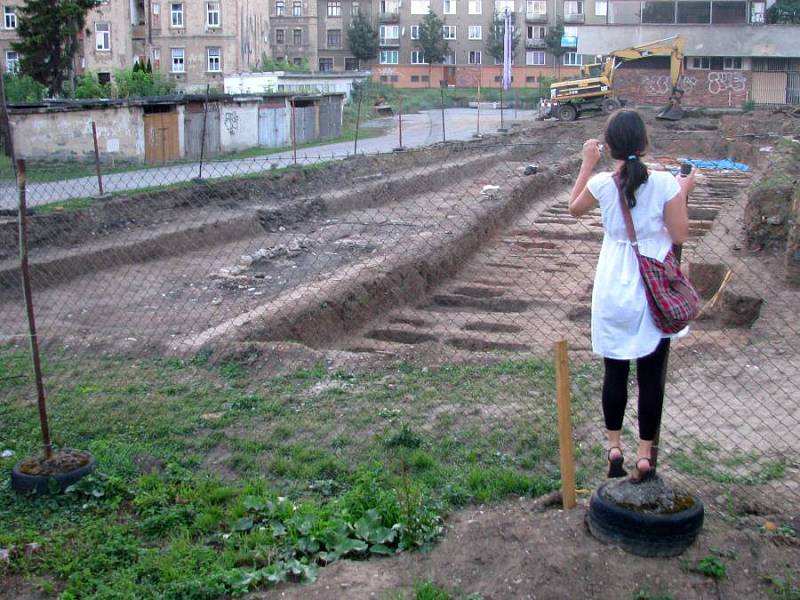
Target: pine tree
553, 43
48, 39
362, 37
137, 67
149, 68
431, 41
495, 41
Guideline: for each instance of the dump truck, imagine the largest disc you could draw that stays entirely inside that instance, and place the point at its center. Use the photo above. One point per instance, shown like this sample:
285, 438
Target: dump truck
594, 90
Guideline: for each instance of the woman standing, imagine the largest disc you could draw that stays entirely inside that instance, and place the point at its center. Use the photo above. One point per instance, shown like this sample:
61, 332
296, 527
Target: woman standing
622, 326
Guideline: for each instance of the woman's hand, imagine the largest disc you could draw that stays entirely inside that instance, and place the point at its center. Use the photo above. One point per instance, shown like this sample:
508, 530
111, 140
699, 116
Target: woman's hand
591, 153
687, 182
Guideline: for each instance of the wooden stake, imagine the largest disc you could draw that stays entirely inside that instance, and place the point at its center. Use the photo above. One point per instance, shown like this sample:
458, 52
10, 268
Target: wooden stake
564, 425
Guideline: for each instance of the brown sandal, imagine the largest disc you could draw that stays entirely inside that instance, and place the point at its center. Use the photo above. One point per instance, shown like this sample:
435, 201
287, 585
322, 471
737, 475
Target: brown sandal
615, 468
639, 475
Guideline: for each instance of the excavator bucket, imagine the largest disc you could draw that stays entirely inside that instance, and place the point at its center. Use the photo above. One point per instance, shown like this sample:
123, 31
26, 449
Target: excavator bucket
673, 111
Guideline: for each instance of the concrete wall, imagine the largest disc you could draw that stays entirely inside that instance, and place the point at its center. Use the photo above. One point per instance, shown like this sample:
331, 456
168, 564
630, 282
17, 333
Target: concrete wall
238, 125
283, 81
702, 88
423, 76
68, 134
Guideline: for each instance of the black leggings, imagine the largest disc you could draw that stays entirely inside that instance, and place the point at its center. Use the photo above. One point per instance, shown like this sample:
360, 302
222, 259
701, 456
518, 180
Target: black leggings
650, 376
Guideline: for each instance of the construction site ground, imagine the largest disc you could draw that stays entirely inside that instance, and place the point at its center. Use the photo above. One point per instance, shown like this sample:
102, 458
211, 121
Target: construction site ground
459, 259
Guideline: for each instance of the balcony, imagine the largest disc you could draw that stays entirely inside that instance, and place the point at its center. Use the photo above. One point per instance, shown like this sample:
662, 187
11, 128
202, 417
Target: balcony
574, 18
389, 42
392, 16
535, 17
535, 43
138, 32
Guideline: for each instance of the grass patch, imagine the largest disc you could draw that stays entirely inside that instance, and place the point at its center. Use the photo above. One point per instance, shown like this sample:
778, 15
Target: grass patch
709, 461
251, 481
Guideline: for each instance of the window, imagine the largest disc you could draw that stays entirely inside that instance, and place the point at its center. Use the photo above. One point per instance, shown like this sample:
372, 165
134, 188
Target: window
757, 10
212, 15
177, 60
156, 8
104, 78
10, 17
390, 57
600, 8
354, 8
573, 7
414, 32
280, 36
334, 38
334, 8
420, 7
449, 32
414, 78
694, 12
658, 11
298, 60
12, 61
297, 8
474, 57
534, 57
417, 57
326, 64
156, 58
176, 14
102, 37
573, 59
350, 63
214, 60
500, 6
389, 34
474, 7
297, 37
449, 7
450, 58
700, 62
729, 12
280, 8
537, 32
474, 32
732, 63
536, 8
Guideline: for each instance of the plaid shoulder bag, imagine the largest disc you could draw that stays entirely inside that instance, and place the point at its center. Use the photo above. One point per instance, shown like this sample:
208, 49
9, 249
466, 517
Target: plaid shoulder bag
672, 299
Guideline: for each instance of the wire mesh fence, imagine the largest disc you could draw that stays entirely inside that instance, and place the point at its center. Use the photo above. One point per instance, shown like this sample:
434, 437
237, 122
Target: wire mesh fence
294, 320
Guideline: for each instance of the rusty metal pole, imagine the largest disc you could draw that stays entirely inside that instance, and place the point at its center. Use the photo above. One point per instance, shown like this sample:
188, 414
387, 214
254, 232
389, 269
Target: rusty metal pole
358, 120
400, 122
203, 139
47, 446
294, 133
97, 159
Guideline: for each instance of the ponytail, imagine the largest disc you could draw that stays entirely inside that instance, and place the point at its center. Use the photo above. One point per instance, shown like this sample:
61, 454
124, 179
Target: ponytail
626, 137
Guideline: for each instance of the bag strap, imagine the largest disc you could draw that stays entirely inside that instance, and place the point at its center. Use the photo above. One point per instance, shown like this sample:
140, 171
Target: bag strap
626, 215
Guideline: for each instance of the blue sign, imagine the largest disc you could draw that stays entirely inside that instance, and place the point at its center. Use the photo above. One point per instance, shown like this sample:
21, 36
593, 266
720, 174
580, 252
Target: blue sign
569, 41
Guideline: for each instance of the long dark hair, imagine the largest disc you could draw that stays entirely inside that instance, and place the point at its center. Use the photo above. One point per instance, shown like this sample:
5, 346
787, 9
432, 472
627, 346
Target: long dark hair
626, 138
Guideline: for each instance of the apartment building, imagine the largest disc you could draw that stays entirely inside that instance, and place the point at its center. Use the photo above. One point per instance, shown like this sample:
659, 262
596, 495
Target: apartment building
192, 42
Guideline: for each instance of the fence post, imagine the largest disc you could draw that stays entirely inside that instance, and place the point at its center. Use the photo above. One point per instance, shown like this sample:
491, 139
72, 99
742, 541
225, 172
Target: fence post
442, 85
358, 118
564, 425
400, 122
203, 139
26, 288
294, 133
97, 159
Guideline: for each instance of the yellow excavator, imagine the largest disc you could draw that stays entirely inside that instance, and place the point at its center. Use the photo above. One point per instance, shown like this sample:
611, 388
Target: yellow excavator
594, 89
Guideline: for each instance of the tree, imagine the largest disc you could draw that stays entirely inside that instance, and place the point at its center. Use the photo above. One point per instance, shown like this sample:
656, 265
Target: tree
149, 68
784, 11
553, 43
362, 37
48, 38
431, 40
497, 31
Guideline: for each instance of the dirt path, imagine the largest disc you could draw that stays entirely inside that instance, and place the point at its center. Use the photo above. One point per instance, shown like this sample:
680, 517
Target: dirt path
521, 551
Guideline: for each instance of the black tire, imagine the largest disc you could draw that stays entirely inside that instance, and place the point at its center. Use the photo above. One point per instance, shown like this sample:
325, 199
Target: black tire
643, 534
567, 112
22, 482
609, 105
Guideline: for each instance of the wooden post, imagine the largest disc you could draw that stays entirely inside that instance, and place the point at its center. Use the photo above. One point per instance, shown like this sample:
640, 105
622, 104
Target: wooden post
564, 425
97, 159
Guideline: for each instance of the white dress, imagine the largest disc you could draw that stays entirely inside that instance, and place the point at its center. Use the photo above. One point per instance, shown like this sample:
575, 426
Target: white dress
622, 326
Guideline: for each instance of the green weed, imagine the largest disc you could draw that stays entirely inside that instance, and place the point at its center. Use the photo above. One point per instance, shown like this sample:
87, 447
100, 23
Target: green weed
711, 566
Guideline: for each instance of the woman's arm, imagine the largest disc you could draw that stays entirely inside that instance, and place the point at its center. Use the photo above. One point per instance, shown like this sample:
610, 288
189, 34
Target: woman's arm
581, 199
676, 211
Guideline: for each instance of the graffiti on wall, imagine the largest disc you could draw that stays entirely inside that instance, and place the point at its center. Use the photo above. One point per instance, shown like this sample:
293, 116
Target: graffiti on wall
231, 122
720, 82
661, 85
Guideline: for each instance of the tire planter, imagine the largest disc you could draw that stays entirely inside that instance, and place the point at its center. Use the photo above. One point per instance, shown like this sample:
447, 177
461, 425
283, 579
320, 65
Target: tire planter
22, 482
640, 533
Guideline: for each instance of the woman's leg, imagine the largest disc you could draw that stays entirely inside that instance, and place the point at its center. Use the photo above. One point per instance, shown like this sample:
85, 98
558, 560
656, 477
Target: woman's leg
650, 376
615, 398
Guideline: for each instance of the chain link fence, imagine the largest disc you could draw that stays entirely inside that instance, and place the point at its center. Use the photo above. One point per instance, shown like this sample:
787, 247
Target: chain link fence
294, 320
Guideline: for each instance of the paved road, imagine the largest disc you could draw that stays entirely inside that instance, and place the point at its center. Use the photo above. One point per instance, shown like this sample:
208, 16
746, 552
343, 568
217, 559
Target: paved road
419, 129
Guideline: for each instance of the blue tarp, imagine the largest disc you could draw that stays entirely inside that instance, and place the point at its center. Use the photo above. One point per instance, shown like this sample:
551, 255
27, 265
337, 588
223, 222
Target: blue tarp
724, 164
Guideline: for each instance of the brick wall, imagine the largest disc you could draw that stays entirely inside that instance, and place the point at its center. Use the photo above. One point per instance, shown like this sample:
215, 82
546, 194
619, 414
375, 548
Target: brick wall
703, 88
422, 76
